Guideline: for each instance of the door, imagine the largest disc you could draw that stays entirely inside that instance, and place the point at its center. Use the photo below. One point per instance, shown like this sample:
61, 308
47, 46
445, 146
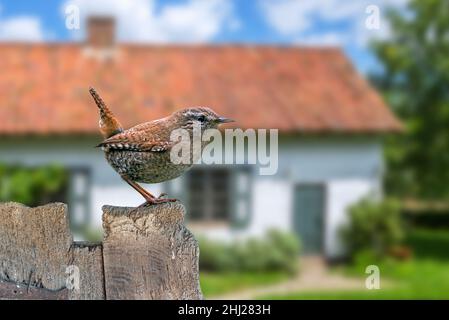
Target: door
308, 217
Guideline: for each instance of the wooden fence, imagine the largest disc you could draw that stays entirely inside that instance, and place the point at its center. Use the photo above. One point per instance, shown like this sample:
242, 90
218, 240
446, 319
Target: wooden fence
147, 253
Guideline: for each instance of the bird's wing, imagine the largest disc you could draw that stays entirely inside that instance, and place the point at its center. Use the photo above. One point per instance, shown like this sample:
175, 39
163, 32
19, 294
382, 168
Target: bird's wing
141, 138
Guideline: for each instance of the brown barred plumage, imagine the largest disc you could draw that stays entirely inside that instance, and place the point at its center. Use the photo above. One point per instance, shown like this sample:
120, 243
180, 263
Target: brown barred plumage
109, 125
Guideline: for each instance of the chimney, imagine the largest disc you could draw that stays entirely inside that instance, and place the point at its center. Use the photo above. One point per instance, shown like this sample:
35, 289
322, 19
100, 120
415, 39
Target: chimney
100, 32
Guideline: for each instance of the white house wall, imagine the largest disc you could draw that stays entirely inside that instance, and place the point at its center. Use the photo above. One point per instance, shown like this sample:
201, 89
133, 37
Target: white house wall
348, 167
340, 195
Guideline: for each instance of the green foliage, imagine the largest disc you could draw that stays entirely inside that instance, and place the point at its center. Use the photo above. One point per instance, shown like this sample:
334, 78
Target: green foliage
432, 244
91, 234
216, 256
277, 251
414, 80
430, 219
286, 248
31, 186
374, 226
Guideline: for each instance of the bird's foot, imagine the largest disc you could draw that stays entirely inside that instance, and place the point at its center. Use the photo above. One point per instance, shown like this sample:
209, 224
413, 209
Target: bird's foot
163, 194
158, 200
154, 201
143, 205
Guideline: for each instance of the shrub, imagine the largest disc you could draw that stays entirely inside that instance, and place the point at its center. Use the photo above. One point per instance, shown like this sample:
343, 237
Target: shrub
427, 219
31, 186
286, 248
277, 251
252, 255
429, 243
216, 256
374, 226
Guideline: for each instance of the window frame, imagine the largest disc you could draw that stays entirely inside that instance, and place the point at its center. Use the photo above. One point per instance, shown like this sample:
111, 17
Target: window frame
233, 220
209, 216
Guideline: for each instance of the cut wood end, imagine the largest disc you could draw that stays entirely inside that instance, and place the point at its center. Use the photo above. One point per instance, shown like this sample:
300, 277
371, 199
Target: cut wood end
142, 219
48, 206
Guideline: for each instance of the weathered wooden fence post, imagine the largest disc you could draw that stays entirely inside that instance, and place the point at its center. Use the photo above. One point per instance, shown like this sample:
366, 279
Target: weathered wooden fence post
147, 253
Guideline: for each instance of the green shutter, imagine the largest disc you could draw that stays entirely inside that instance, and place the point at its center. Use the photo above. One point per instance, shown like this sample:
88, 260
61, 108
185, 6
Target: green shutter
240, 196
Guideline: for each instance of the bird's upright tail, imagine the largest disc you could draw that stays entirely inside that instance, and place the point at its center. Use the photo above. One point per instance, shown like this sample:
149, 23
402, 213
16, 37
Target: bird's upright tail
109, 125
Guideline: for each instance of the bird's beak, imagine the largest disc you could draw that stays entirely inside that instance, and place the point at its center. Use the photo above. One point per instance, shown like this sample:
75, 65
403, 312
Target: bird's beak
224, 120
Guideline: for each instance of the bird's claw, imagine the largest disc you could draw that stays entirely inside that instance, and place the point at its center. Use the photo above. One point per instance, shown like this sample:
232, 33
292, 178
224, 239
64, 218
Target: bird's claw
157, 200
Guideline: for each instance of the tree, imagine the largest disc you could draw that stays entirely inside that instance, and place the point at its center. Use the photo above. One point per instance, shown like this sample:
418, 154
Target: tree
415, 82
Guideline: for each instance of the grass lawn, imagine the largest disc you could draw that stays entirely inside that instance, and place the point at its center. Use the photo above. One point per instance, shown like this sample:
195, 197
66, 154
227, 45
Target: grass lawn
213, 284
417, 279
424, 277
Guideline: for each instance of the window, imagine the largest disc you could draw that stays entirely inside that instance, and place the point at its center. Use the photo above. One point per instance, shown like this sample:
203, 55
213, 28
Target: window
209, 194
215, 194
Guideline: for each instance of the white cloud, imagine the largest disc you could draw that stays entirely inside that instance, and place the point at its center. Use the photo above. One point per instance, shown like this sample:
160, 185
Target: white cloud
287, 17
141, 21
322, 40
293, 16
303, 19
21, 29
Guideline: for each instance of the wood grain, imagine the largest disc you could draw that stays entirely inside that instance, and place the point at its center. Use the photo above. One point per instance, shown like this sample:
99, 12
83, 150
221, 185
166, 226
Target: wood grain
149, 254
35, 245
88, 257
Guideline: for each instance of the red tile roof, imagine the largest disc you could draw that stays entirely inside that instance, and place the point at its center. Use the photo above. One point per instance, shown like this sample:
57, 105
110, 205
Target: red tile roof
44, 87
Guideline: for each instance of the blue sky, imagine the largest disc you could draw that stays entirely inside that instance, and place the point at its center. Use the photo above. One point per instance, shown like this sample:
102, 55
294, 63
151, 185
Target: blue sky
280, 22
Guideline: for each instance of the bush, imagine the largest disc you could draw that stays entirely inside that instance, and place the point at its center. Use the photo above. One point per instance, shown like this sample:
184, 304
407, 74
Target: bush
374, 226
278, 251
286, 248
427, 219
31, 186
216, 256
427, 243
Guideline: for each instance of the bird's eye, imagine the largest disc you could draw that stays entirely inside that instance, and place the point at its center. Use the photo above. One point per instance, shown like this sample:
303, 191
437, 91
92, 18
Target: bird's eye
201, 118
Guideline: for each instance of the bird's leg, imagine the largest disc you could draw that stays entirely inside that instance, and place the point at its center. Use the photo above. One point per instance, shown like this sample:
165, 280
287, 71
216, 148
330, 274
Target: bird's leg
150, 199
148, 196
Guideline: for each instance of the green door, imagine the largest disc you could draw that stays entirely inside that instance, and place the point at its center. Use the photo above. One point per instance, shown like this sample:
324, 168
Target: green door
308, 217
